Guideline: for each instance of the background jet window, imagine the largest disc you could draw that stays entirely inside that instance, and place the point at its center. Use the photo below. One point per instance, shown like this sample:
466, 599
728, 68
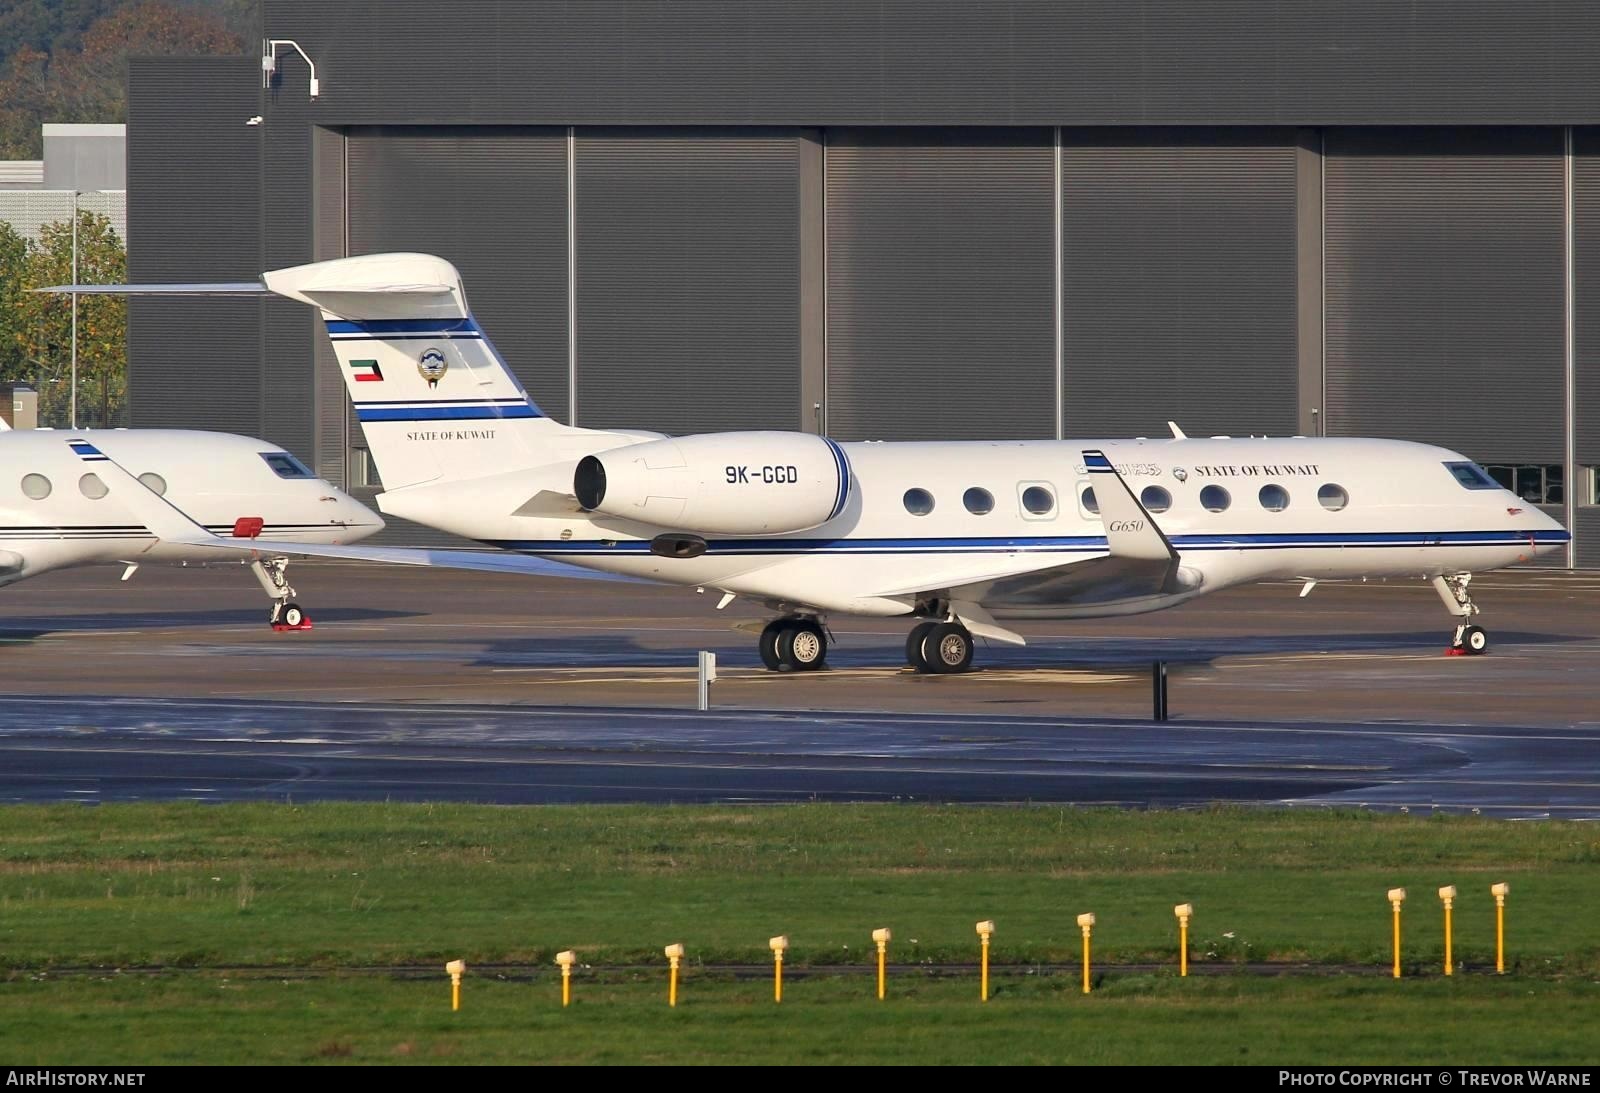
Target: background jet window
1215, 499
154, 483
919, 502
1274, 498
1332, 497
1088, 501
979, 501
91, 486
1155, 499
36, 486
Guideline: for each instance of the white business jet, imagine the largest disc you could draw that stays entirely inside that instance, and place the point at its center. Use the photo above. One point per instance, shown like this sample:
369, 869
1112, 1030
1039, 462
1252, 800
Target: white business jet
957, 535
58, 511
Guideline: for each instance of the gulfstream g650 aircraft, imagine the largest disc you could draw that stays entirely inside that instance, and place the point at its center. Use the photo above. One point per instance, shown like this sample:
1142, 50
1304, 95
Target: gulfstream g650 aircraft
955, 535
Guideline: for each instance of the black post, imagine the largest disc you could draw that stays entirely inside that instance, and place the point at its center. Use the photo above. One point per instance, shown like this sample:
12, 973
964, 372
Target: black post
1158, 688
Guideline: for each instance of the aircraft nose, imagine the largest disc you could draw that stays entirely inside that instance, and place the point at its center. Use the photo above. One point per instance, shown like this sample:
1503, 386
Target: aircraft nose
1551, 534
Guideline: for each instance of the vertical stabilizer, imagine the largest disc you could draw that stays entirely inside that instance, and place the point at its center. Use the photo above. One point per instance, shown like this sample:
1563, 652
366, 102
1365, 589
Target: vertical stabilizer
434, 398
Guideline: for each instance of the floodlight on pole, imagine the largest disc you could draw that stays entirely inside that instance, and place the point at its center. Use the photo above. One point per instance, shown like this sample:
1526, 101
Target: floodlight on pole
269, 62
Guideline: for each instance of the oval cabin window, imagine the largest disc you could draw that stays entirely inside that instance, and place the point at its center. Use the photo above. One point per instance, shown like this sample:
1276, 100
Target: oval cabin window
979, 501
1215, 499
919, 502
1274, 498
1332, 497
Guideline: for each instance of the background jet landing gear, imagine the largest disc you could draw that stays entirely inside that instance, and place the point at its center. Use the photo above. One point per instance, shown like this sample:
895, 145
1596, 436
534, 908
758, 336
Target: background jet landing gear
793, 645
286, 614
939, 647
1469, 640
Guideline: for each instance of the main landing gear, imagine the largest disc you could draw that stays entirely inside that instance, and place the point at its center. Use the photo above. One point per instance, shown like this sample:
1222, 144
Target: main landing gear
794, 644
286, 614
939, 647
1469, 639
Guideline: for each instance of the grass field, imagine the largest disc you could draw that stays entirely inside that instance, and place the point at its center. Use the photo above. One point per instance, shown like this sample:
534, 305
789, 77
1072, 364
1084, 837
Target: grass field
330, 888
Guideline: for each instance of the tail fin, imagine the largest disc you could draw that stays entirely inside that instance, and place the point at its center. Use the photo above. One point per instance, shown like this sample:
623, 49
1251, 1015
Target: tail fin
434, 398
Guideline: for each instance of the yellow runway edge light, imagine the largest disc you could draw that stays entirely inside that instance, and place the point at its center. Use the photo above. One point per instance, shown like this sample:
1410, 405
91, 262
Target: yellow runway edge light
1184, 911
566, 960
674, 955
778, 945
456, 968
881, 936
1086, 923
1397, 896
985, 931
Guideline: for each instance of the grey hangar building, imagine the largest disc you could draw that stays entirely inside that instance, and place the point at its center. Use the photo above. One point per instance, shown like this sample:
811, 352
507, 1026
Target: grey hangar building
909, 219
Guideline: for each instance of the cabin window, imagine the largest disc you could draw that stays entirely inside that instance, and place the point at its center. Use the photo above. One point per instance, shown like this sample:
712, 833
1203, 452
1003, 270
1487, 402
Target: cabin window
1535, 483
979, 501
1155, 499
154, 483
1332, 497
1038, 502
1274, 498
285, 465
35, 486
919, 502
1215, 499
1471, 476
91, 486
1088, 501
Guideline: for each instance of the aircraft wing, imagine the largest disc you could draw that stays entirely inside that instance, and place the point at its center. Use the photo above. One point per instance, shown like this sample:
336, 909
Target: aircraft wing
1138, 560
171, 524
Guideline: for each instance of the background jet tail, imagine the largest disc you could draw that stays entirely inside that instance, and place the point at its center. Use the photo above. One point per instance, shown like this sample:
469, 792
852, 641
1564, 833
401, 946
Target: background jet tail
434, 398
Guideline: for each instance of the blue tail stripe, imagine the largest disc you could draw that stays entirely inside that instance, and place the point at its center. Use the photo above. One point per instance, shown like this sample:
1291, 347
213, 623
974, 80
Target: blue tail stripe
403, 326
445, 413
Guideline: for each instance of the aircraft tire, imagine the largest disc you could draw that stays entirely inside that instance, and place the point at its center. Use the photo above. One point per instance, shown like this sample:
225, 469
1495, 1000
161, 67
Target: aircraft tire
1474, 640
768, 645
802, 646
914, 646
947, 648
292, 615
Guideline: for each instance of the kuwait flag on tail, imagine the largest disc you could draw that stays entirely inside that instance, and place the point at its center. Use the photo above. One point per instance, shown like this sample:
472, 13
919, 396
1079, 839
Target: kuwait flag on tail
367, 371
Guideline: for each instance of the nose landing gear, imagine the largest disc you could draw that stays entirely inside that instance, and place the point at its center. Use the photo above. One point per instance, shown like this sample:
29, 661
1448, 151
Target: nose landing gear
286, 614
1469, 639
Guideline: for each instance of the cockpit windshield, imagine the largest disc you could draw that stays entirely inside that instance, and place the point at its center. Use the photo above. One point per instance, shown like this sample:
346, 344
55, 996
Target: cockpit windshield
1471, 476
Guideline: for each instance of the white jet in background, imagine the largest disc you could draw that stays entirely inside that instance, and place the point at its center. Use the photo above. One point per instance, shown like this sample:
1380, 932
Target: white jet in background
58, 509
956, 534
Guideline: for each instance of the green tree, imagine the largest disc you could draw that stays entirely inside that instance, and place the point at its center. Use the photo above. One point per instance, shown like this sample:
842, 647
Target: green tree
44, 322
13, 272
87, 82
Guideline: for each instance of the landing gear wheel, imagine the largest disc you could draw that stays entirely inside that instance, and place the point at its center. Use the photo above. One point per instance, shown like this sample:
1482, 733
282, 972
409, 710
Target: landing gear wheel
768, 644
1474, 640
947, 648
292, 616
802, 647
914, 645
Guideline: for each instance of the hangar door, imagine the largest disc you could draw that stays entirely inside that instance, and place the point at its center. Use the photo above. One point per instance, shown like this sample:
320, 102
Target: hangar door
940, 283
1445, 289
1178, 282
687, 278
1586, 341
492, 201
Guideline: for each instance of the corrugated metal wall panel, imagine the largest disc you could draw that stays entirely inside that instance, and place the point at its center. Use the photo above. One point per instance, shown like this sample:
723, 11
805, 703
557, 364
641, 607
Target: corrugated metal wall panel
194, 363
1445, 289
330, 404
1587, 534
290, 330
941, 294
688, 279
1179, 282
934, 62
494, 203
1586, 292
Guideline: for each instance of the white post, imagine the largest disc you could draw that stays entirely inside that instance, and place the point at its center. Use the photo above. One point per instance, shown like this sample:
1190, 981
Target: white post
708, 676
72, 412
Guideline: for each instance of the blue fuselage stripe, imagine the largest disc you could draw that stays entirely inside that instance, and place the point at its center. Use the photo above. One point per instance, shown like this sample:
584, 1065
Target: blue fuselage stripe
1057, 545
445, 412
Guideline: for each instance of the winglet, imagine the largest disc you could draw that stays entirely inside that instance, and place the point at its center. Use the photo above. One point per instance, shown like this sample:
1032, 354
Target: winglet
1130, 532
1177, 433
163, 518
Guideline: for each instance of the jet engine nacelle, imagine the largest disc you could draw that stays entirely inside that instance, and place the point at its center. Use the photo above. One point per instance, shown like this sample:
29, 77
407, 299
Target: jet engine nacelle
722, 483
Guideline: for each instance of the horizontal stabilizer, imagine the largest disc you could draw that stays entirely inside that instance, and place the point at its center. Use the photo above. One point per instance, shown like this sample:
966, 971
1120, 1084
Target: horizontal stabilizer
372, 287
1130, 532
227, 288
